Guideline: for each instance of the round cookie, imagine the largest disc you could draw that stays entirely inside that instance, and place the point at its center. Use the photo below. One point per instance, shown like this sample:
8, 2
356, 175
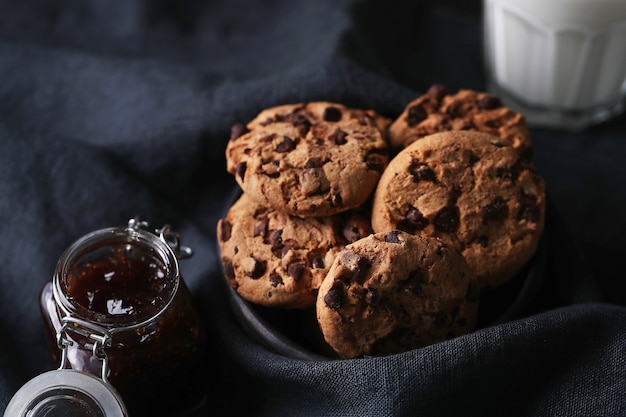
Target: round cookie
438, 111
392, 292
472, 188
309, 160
277, 260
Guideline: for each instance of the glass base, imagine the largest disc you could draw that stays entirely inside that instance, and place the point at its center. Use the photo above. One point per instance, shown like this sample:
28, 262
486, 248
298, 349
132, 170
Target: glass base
574, 120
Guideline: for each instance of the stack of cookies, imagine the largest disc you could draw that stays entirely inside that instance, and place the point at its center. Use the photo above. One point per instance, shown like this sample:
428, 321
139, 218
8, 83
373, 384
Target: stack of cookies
306, 171
388, 229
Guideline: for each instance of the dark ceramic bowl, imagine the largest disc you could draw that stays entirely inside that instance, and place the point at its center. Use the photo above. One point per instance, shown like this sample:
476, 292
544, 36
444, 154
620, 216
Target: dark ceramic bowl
296, 334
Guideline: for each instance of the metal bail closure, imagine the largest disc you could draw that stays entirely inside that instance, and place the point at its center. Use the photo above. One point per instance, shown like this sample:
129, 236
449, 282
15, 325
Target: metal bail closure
166, 234
66, 392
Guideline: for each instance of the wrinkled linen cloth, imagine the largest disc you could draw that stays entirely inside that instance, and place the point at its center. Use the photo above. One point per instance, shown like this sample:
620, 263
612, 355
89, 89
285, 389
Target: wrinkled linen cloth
110, 110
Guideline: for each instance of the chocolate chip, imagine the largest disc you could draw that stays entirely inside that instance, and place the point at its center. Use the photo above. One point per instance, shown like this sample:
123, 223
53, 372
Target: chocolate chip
295, 271
529, 213
392, 237
286, 248
276, 239
447, 219
504, 173
267, 138
313, 163
229, 269
362, 269
258, 269
414, 282
351, 233
300, 122
287, 145
318, 262
509, 173
415, 217
530, 210
414, 221
488, 103
359, 265
336, 200
338, 137
415, 115
528, 198
421, 172
473, 158
240, 170
331, 114
376, 162
260, 229
438, 91
313, 181
496, 210
334, 297
363, 119
275, 280
454, 194
260, 212
225, 230
238, 129
455, 110
494, 123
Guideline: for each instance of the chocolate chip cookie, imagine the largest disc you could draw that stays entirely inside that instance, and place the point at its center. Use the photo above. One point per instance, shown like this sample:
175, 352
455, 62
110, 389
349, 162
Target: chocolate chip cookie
277, 260
315, 159
469, 187
438, 111
391, 292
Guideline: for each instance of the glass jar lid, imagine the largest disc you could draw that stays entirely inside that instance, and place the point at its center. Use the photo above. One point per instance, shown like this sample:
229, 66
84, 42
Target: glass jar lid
66, 392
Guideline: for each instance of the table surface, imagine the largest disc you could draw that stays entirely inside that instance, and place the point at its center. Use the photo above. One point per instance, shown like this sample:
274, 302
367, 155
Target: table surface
112, 110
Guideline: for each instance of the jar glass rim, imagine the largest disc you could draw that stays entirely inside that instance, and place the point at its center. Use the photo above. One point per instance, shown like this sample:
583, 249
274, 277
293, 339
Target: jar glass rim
110, 237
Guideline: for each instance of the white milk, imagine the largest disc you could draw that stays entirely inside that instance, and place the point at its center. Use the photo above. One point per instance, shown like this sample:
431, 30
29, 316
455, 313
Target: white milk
557, 54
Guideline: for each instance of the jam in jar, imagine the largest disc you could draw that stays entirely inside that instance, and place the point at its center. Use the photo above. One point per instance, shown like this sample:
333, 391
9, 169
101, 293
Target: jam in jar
118, 308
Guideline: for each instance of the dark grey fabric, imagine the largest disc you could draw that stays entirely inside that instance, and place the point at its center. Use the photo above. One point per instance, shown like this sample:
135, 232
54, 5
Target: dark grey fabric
113, 109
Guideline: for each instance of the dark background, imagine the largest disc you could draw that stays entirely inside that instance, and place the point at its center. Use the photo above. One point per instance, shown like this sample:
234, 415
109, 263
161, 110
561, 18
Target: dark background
109, 109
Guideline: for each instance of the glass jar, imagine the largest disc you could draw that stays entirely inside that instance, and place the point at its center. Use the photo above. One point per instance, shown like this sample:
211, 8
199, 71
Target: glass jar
117, 308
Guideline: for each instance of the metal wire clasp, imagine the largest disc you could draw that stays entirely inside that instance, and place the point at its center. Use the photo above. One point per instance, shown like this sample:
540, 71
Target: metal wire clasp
166, 234
99, 340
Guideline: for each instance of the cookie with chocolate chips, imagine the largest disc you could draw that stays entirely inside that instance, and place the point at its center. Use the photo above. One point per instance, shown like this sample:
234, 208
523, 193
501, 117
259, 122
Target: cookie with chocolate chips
277, 260
392, 292
315, 159
471, 188
439, 111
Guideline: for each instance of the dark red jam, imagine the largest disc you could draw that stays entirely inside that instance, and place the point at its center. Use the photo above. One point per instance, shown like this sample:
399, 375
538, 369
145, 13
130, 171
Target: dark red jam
119, 281
158, 345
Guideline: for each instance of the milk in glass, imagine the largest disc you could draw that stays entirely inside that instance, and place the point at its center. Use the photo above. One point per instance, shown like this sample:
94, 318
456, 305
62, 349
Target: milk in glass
562, 63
